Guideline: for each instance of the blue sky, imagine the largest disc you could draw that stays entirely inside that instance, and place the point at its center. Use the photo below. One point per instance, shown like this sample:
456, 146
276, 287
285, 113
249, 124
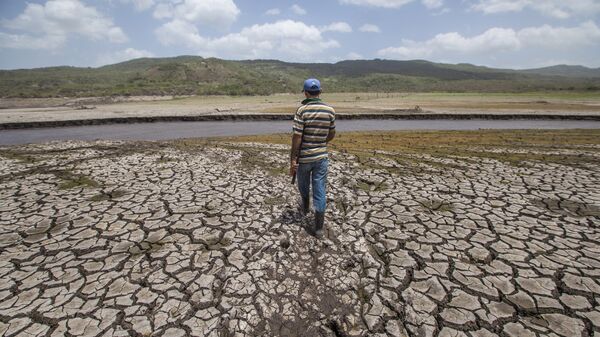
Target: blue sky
497, 33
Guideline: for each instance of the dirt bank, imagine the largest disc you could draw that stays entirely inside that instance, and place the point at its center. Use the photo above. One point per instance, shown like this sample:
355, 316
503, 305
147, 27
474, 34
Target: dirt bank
400, 115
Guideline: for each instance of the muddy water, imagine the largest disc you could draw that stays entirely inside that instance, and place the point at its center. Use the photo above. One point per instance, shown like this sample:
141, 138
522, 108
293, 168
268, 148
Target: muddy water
173, 130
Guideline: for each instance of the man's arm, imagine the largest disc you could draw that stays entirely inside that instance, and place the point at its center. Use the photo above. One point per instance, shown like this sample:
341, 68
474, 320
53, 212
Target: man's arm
330, 135
296, 141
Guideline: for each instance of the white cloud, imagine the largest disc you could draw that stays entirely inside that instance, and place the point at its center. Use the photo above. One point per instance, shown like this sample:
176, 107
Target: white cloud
179, 32
273, 11
430, 4
433, 4
48, 26
369, 28
122, 55
548, 37
354, 56
497, 40
24, 41
554, 8
288, 38
298, 10
140, 5
378, 3
163, 11
442, 11
214, 13
341, 27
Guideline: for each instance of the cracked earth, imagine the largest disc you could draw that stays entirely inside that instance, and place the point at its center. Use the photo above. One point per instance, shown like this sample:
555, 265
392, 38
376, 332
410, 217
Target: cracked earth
117, 239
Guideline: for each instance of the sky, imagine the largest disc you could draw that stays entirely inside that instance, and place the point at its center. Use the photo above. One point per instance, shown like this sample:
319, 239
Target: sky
497, 33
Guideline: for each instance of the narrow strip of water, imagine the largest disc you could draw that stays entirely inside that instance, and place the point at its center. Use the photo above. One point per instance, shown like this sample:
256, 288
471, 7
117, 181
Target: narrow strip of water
174, 130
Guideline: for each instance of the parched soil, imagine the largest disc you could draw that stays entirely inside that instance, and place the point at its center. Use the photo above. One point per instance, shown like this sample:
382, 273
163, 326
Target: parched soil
499, 237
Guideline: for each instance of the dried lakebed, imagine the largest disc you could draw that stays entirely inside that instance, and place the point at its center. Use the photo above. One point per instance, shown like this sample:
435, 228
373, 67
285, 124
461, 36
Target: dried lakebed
138, 238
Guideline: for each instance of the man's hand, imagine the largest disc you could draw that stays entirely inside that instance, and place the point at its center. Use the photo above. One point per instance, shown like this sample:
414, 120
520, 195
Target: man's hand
293, 167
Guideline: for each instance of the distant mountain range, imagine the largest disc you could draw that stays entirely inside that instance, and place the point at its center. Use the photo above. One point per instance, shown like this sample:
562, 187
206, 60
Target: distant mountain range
184, 75
565, 71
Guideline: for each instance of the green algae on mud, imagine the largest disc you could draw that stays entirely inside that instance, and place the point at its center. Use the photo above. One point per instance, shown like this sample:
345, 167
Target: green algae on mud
72, 181
15, 155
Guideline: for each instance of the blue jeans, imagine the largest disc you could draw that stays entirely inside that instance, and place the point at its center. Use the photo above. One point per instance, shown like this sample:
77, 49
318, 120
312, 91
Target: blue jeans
315, 172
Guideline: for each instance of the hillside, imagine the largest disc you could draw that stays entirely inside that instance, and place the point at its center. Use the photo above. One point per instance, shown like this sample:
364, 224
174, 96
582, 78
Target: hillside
185, 75
566, 70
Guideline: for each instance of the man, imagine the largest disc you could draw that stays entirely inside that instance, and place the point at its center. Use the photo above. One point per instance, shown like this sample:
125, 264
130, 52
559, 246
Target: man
314, 127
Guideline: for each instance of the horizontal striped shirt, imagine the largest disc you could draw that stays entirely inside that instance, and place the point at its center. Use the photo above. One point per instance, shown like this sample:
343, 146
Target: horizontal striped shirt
313, 118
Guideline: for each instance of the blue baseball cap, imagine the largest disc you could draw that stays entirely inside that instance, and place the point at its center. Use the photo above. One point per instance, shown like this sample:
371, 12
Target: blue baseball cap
312, 85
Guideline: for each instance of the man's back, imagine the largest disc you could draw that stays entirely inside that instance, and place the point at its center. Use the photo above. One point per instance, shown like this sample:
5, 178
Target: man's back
314, 119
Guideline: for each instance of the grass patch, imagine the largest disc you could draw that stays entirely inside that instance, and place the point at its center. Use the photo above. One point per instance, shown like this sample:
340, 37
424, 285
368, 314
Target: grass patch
272, 201
371, 186
362, 294
363, 186
20, 157
367, 160
145, 248
254, 159
436, 205
188, 145
71, 180
164, 159
277, 170
80, 181
342, 206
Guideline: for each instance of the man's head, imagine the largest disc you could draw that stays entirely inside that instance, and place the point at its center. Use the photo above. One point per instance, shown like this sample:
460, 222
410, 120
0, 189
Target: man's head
312, 87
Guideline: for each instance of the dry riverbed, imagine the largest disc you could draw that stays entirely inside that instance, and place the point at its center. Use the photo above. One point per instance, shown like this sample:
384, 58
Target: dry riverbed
486, 233
61, 109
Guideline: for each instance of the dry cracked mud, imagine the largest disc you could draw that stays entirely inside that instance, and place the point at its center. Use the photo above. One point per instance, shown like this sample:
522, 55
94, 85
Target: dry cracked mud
115, 239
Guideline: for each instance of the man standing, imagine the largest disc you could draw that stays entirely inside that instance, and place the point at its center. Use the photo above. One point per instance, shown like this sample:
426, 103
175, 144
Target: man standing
314, 127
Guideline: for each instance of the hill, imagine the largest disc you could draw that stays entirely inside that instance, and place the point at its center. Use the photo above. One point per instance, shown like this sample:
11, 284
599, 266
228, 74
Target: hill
566, 71
185, 75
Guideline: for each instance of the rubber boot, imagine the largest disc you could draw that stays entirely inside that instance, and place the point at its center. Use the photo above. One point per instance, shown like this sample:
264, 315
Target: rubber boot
305, 208
319, 220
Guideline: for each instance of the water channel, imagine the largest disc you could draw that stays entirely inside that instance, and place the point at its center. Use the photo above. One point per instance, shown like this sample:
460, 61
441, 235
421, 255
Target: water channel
174, 130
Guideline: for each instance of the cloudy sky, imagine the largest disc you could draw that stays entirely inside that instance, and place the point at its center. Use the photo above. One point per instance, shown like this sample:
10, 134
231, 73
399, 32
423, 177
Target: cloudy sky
497, 33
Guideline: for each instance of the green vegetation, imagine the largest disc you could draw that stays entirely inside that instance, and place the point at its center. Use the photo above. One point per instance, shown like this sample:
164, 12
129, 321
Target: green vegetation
367, 185
71, 180
194, 75
435, 205
362, 294
274, 200
253, 158
164, 159
20, 157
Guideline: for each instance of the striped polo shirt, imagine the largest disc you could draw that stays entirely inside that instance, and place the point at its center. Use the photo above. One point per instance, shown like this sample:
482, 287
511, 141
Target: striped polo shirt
315, 118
